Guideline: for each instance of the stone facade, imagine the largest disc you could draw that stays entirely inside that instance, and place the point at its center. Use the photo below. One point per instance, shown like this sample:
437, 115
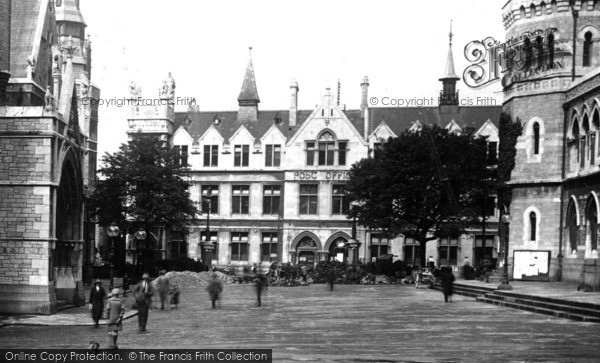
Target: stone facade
554, 180
47, 152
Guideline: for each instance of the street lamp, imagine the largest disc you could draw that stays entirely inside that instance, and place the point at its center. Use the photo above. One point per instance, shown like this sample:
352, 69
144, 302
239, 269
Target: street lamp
140, 235
506, 218
112, 231
353, 245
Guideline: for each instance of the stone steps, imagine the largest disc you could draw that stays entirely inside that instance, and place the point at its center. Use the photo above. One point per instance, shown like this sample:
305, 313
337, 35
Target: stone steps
545, 305
467, 290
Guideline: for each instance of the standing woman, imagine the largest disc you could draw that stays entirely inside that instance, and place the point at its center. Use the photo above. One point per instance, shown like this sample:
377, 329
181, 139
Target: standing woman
114, 312
97, 296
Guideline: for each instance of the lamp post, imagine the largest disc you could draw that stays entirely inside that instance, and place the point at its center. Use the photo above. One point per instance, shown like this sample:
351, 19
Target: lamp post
353, 245
505, 285
140, 235
112, 231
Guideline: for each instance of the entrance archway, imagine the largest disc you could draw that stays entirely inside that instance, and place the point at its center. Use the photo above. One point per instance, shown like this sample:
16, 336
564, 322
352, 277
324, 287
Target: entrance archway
306, 250
338, 249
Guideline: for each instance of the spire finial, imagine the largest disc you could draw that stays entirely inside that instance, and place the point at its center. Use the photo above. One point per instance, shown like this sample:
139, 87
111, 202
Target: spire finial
450, 34
250, 51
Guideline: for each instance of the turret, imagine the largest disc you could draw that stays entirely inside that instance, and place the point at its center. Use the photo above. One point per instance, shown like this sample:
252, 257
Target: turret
248, 99
449, 95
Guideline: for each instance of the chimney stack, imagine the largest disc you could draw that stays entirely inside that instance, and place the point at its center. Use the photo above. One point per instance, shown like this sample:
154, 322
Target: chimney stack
294, 103
364, 105
364, 85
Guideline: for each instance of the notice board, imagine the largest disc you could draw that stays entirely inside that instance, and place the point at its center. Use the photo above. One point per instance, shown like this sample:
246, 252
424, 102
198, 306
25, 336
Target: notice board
531, 265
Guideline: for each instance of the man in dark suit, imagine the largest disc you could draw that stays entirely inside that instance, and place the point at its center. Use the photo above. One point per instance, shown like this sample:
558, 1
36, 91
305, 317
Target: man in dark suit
142, 294
97, 296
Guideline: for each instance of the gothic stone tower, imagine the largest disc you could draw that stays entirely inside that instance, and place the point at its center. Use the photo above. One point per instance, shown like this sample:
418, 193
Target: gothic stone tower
538, 65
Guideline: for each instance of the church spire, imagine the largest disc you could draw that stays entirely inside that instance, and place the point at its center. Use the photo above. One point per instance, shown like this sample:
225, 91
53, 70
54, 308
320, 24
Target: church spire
248, 99
448, 95
248, 93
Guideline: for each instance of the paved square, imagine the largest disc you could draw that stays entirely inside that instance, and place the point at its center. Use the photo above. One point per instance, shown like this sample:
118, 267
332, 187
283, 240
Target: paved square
351, 323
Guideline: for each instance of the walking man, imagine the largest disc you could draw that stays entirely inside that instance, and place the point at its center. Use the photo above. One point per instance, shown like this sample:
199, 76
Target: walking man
447, 283
97, 296
143, 298
259, 284
214, 288
114, 311
162, 287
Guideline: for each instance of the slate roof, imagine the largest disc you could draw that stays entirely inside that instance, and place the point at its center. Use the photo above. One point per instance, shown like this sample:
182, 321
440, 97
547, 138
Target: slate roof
199, 122
248, 91
68, 11
400, 119
24, 21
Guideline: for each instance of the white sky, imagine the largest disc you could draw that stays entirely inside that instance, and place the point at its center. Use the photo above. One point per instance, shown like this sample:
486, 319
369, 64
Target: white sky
400, 45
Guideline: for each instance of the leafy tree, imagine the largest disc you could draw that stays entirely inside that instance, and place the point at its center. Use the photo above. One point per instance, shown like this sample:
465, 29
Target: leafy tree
424, 184
143, 185
508, 134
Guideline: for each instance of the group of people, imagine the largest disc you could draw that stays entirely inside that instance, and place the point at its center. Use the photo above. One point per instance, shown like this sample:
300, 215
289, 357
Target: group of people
215, 287
112, 308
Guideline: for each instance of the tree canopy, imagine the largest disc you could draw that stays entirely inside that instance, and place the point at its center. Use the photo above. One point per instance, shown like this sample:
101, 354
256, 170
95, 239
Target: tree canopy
143, 186
423, 184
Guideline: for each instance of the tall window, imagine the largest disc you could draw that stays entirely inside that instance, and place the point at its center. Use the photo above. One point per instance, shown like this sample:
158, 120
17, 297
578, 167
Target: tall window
582, 152
587, 49
309, 198
273, 155
411, 251
340, 202
211, 155
572, 227
592, 148
269, 246
182, 154
377, 149
239, 246
448, 251
241, 199
492, 152
210, 194
527, 53
480, 251
342, 152
310, 153
539, 47
550, 41
379, 245
532, 226
271, 199
326, 149
178, 245
490, 206
536, 138
241, 154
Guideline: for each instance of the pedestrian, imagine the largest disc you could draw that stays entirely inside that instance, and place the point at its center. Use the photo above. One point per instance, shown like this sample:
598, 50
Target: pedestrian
142, 294
331, 276
447, 283
162, 287
97, 296
114, 312
174, 292
259, 283
125, 284
304, 272
214, 288
254, 269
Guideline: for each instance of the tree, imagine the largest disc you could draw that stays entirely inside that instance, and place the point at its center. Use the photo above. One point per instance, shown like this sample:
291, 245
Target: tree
424, 184
143, 186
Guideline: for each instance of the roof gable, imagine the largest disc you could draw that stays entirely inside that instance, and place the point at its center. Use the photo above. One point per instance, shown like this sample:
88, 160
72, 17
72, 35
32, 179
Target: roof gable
241, 135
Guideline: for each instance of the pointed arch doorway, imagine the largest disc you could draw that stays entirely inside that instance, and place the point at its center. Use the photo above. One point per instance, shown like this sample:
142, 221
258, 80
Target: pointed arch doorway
306, 251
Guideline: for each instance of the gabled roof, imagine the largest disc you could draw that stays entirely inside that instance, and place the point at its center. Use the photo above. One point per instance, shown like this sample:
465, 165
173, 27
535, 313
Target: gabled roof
201, 121
400, 119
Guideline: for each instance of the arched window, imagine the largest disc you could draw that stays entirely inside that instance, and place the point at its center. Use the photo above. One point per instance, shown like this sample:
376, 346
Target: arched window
532, 10
532, 226
553, 6
543, 8
572, 227
583, 146
527, 53
522, 12
326, 148
536, 138
587, 49
539, 48
596, 124
550, 47
591, 230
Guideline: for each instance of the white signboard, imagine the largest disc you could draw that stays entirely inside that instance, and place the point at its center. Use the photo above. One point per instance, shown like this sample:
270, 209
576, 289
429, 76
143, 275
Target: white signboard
531, 265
